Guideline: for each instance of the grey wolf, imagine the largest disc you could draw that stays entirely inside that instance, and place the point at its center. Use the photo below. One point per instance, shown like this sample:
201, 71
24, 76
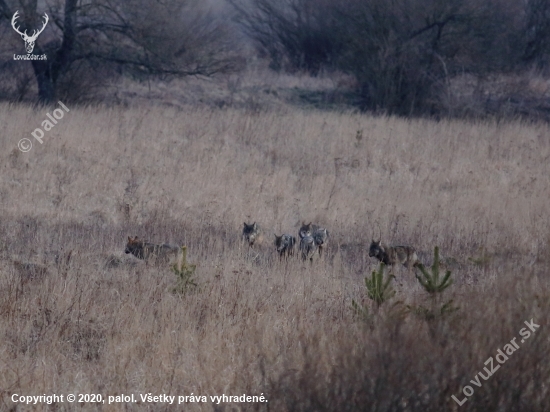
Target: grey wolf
319, 234
307, 247
152, 252
252, 234
306, 230
285, 245
390, 255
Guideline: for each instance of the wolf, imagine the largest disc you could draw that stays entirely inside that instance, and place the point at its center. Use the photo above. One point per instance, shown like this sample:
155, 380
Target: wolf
285, 245
390, 255
151, 252
308, 247
319, 234
253, 234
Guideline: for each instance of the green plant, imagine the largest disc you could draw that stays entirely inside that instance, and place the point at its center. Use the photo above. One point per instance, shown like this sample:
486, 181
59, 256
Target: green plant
434, 283
379, 290
483, 260
360, 310
431, 281
434, 313
184, 272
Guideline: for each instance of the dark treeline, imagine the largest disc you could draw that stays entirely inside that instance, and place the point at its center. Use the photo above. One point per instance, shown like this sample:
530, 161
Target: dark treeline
403, 53
405, 56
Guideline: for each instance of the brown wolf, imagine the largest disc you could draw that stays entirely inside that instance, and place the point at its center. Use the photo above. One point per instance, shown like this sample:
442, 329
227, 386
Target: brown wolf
390, 255
285, 245
253, 234
159, 254
319, 234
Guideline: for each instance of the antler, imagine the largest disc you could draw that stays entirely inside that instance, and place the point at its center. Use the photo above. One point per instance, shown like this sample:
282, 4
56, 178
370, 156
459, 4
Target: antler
15, 16
35, 33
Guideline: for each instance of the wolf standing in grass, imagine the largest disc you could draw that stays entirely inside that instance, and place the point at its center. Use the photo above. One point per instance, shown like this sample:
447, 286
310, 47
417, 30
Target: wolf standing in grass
308, 247
319, 234
253, 234
285, 245
390, 255
151, 252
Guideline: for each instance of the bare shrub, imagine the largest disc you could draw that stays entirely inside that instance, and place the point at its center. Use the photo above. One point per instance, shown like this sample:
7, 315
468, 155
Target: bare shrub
404, 53
293, 34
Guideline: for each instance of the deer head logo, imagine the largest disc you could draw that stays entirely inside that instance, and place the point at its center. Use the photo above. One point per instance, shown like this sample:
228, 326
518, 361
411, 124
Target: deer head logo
29, 40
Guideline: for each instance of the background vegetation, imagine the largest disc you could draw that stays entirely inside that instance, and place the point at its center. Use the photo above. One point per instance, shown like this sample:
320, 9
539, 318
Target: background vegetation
460, 58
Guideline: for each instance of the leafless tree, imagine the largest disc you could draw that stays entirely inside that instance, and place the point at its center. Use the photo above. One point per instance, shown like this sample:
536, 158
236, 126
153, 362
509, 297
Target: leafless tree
146, 37
403, 53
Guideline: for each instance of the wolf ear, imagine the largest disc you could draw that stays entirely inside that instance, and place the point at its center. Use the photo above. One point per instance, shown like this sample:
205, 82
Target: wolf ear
254, 225
129, 238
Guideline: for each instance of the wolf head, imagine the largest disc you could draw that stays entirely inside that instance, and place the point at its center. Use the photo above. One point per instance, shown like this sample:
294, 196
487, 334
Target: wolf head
284, 242
320, 236
134, 246
251, 233
305, 230
376, 249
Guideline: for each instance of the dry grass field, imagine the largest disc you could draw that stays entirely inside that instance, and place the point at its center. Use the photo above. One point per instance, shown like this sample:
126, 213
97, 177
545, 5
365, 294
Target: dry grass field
79, 316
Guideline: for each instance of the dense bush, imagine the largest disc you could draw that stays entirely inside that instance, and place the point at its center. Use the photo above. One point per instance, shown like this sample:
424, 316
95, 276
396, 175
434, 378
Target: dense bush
403, 53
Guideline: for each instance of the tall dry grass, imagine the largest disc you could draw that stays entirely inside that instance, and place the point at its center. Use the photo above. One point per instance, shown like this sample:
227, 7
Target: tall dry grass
88, 319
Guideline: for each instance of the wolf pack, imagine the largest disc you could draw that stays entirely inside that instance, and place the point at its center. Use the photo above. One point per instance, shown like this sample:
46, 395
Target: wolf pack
313, 241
